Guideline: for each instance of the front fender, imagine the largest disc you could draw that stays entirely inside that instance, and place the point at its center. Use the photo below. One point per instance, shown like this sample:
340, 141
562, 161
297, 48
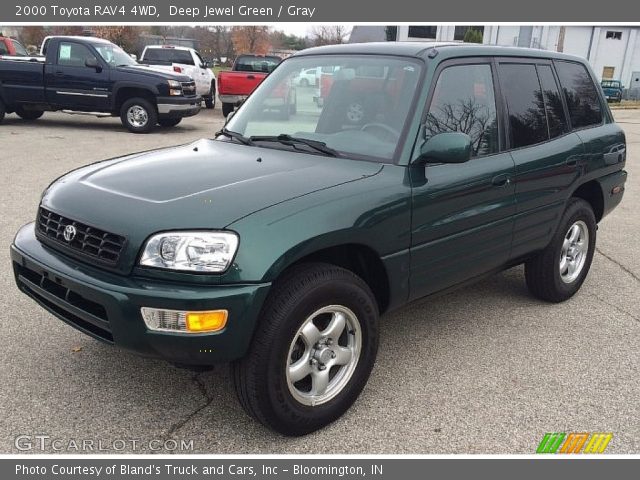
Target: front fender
374, 211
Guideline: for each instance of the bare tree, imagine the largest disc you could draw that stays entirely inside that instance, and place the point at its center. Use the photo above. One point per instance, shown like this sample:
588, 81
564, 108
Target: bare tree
329, 34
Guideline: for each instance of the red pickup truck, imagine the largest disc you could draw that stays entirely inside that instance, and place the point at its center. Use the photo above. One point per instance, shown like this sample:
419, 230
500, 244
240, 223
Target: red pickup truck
247, 73
11, 47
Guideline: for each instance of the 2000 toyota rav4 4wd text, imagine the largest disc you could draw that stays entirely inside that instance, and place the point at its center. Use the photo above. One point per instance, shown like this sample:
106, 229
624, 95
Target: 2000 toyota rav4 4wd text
278, 244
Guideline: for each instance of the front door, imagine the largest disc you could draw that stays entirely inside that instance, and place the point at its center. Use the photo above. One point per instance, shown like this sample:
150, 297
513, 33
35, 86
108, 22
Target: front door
462, 213
72, 85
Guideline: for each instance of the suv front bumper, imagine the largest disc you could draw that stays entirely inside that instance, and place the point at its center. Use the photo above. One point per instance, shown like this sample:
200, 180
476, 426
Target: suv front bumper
107, 306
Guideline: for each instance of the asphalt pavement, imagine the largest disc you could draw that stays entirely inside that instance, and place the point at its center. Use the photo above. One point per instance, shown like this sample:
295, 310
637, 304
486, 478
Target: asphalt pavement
486, 369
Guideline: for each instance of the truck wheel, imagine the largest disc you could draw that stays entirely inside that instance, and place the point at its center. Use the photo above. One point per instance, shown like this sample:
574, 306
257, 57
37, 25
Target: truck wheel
138, 115
227, 108
169, 122
557, 273
210, 100
29, 114
313, 351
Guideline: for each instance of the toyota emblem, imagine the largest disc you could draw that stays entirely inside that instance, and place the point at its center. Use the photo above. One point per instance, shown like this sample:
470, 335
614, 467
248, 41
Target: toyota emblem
69, 233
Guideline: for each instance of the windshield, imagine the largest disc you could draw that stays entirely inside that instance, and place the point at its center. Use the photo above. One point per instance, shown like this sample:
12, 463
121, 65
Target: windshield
114, 55
356, 105
611, 84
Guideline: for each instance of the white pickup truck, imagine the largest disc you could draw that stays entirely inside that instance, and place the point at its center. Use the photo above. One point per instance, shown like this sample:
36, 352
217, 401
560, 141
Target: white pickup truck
186, 61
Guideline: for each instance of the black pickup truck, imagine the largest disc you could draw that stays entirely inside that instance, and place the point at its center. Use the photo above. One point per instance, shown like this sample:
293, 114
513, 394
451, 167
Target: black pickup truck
92, 75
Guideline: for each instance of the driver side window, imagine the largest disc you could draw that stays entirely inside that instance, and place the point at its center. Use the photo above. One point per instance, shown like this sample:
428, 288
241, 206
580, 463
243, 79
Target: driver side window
73, 54
464, 101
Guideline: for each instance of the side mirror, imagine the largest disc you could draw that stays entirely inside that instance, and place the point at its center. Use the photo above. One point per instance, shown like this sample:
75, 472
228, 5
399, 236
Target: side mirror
92, 62
449, 147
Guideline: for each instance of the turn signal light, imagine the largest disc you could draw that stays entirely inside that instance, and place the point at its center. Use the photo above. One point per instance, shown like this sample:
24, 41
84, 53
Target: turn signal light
206, 321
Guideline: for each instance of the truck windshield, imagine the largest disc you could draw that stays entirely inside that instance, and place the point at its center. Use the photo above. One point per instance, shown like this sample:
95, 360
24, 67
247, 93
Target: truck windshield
114, 55
357, 106
610, 84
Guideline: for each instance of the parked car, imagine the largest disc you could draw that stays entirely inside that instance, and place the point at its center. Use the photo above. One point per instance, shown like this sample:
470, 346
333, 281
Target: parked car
307, 78
11, 47
186, 61
277, 245
247, 72
612, 90
94, 76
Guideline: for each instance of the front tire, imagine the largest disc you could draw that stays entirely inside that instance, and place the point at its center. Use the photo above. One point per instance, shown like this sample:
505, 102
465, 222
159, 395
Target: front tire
29, 115
557, 273
210, 100
313, 352
138, 115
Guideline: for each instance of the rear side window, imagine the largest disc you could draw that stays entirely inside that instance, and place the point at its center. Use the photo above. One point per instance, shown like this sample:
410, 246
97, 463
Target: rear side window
464, 101
167, 56
3, 48
581, 94
525, 103
552, 102
20, 50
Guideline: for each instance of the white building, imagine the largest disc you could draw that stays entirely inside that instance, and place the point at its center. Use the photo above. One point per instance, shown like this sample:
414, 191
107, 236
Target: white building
613, 52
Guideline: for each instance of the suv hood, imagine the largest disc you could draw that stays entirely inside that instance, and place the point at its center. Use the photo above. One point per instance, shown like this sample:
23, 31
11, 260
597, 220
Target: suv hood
205, 185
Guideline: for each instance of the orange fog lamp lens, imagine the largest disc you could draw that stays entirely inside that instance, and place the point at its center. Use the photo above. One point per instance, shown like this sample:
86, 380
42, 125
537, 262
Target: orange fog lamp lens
211, 321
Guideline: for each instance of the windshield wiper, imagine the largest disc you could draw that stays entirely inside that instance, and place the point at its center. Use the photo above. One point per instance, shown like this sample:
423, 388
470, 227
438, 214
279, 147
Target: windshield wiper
293, 141
235, 136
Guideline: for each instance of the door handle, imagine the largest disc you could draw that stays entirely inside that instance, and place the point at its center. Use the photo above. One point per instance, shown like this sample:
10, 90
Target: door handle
251, 77
501, 180
59, 73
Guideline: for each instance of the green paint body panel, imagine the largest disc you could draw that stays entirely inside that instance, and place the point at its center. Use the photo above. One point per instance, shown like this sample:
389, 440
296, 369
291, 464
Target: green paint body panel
433, 226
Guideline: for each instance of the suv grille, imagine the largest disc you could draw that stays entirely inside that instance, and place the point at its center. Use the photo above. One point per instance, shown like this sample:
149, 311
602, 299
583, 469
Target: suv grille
189, 89
89, 241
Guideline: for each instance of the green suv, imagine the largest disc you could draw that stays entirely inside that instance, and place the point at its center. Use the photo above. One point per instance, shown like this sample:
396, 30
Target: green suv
277, 245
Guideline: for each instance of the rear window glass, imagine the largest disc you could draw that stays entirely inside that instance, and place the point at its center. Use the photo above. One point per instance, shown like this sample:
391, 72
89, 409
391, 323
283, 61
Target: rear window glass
167, 56
255, 63
3, 48
527, 116
581, 94
552, 102
20, 50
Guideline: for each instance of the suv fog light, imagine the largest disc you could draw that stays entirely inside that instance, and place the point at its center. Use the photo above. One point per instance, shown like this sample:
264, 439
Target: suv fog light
181, 321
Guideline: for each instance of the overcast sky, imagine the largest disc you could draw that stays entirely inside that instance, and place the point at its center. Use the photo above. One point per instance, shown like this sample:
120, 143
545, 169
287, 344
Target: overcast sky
300, 29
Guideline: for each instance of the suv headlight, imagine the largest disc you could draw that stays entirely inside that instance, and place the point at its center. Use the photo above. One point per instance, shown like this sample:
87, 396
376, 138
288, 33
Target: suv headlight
197, 251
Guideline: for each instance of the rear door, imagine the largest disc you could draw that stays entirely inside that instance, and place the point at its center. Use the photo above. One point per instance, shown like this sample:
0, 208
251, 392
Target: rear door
547, 155
70, 84
590, 118
462, 213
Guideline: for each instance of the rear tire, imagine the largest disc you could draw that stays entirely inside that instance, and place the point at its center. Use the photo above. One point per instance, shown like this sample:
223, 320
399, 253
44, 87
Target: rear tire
227, 108
169, 122
138, 115
558, 271
29, 115
320, 323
